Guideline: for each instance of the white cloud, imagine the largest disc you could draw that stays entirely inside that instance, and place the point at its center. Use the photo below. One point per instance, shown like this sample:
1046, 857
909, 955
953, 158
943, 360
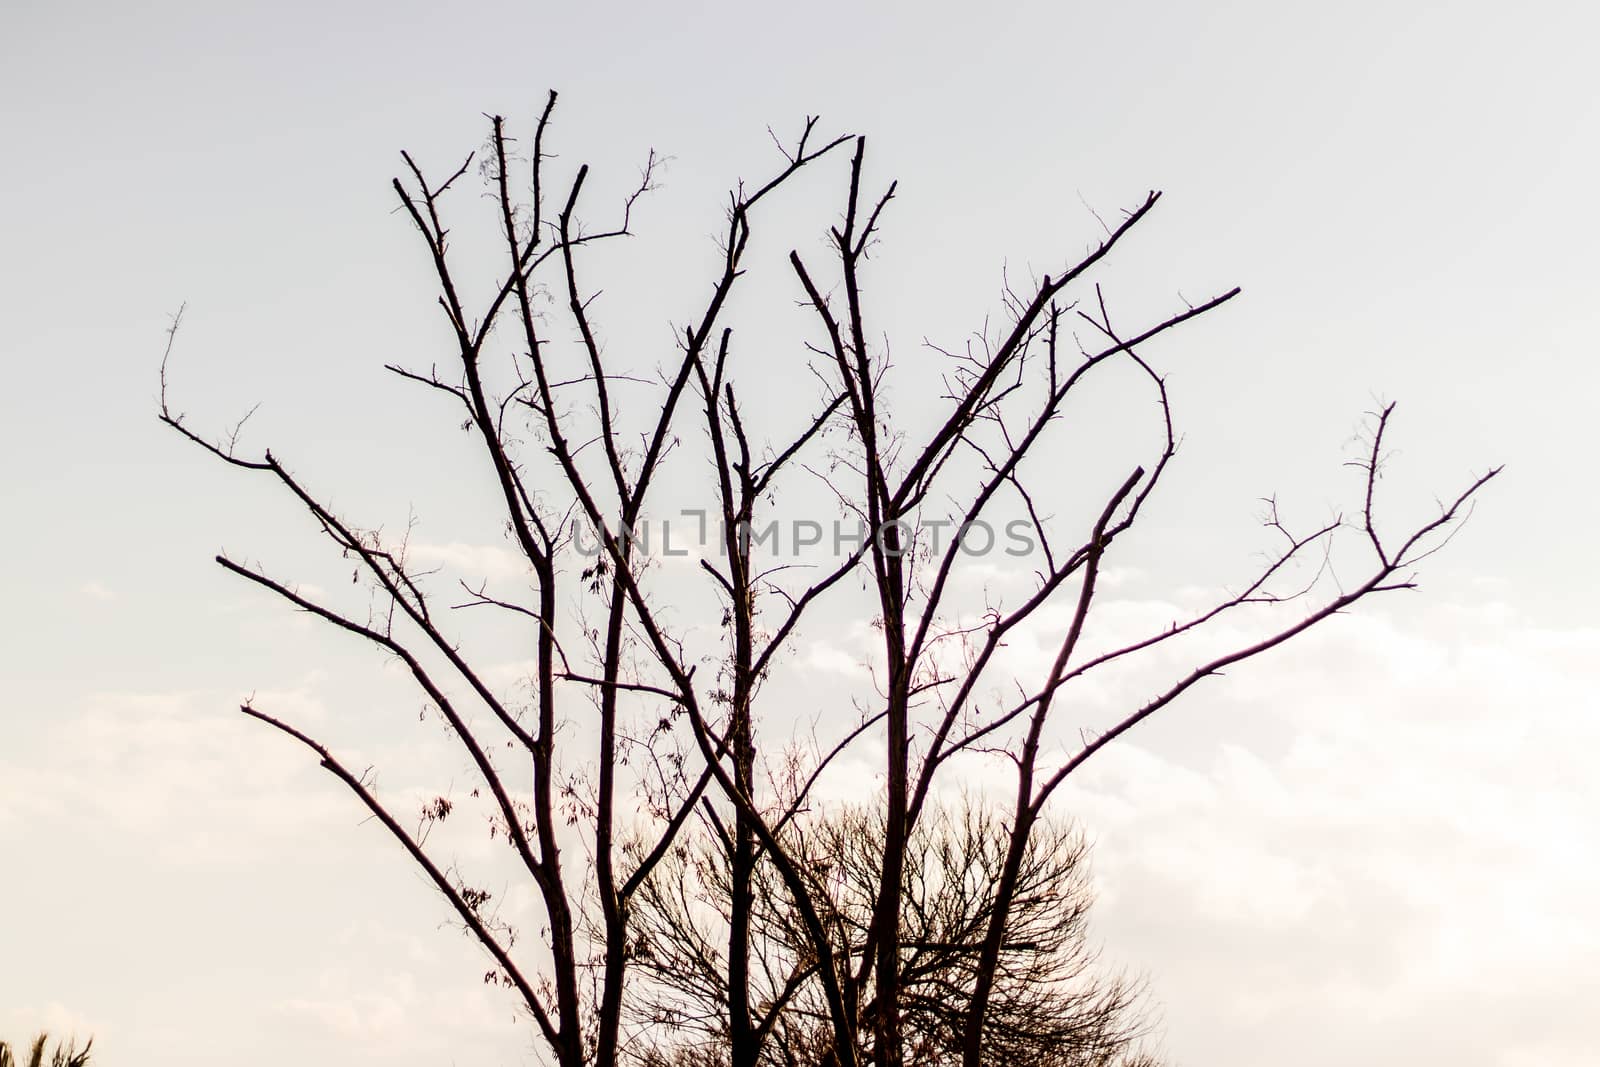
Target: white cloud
1379, 836
166, 768
405, 1008
1416, 858
826, 657
469, 562
19, 1023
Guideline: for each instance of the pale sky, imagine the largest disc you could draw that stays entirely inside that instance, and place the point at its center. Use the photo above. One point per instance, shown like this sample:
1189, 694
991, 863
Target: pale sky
1377, 846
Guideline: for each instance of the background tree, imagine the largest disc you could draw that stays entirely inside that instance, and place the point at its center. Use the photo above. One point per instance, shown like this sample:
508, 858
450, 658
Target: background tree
649, 701
1052, 1005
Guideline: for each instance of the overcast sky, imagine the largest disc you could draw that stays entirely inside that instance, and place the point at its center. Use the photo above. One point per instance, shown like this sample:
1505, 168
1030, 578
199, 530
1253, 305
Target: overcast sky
1377, 846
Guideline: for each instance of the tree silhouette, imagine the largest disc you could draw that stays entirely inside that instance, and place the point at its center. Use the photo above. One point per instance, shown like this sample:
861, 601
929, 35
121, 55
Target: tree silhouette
68, 1055
661, 696
1052, 1006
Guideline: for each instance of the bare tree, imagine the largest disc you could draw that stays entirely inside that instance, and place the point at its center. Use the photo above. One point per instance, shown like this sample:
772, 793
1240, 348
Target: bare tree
1052, 1005
592, 782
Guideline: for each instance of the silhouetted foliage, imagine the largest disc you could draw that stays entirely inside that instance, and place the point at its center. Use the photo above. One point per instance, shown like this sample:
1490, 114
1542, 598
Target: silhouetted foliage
68, 1055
